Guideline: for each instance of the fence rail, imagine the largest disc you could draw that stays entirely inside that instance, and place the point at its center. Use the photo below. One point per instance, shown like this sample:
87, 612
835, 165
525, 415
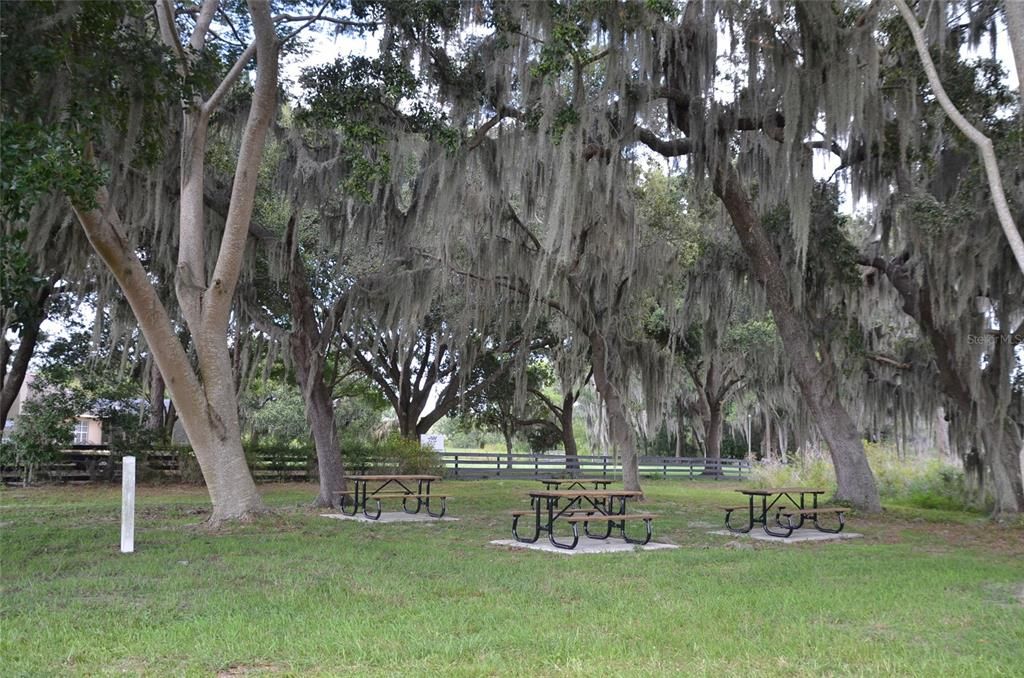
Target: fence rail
499, 465
96, 463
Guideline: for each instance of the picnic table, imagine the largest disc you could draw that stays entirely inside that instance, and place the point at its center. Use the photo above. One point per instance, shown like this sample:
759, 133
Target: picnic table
580, 506
770, 498
404, 487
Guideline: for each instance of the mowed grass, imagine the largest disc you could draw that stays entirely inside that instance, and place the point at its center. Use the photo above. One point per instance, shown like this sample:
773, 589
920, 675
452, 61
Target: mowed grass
297, 594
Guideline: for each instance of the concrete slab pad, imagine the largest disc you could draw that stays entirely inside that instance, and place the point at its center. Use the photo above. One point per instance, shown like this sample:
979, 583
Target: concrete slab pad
585, 545
390, 517
802, 535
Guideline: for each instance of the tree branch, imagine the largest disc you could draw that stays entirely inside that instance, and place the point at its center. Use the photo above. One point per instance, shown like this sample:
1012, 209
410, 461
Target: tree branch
236, 227
670, 148
983, 143
203, 22
169, 32
889, 361
211, 104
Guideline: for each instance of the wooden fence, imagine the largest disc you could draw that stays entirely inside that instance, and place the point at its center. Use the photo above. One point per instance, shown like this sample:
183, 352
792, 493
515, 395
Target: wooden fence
96, 463
498, 465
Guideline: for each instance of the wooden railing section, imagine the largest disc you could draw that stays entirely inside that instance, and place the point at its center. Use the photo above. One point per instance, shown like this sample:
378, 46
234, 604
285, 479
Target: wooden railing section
469, 465
96, 463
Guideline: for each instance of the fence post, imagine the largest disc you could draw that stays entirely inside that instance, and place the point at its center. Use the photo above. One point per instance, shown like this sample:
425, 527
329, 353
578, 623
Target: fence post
127, 504
456, 466
664, 469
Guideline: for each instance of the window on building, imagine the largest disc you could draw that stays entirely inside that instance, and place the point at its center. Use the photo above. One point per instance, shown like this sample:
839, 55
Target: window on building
81, 432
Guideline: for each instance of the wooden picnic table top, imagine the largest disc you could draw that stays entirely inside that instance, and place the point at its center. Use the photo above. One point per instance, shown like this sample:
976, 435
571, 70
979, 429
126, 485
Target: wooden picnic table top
584, 493
552, 481
392, 477
783, 490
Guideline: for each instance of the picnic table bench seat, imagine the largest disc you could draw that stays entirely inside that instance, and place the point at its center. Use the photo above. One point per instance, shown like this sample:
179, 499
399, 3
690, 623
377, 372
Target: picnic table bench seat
728, 514
613, 521
399, 495
531, 511
597, 517
422, 500
813, 514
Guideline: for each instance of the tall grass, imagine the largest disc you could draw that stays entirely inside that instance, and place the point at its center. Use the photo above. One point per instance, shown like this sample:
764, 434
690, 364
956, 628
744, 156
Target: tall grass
914, 482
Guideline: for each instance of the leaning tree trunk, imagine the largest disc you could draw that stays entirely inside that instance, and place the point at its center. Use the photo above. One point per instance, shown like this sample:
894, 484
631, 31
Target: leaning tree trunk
619, 427
207, 408
812, 367
12, 379
320, 414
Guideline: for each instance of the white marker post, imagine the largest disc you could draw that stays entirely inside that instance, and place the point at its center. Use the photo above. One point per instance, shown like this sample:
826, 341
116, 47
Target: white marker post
128, 505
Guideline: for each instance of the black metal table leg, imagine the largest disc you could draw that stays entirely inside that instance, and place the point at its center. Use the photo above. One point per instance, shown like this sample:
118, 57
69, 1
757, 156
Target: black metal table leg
640, 542
536, 526
750, 518
764, 521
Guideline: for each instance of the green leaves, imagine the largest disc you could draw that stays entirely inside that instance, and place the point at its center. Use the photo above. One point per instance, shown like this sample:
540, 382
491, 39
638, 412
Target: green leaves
74, 74
367, 100
36, 162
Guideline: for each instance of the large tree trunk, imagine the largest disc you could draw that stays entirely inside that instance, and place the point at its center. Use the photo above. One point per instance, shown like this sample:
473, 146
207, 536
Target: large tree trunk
1002, 458
207, 408
12, 379
309, 355
619, 427
407, 423
206, 401
157, 389
572, 460
320, 414
812, 366
713, 431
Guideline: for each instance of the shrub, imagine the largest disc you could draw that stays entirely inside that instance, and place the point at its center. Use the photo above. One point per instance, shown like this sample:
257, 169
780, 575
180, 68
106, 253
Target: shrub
928, 484
42, 430
401, 455
358, 455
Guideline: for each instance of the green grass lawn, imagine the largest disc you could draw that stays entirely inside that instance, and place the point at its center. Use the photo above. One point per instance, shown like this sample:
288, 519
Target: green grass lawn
922, 593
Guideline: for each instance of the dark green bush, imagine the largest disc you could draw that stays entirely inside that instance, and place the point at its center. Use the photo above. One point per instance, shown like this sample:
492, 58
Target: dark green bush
401, 455
358, 455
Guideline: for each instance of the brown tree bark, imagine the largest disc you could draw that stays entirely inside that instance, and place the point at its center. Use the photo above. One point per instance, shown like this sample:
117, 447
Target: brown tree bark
308, 344
812, 366
157, 388
12, 378
619, 427
572, 460
713, 428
